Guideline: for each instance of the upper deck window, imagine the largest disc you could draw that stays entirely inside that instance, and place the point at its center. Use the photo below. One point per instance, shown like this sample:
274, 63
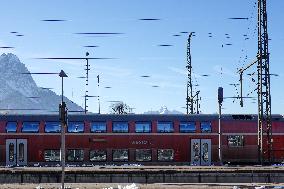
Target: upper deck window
75, 127
11, 127
52, 127
187, 127
120, 127
30, 127
143, 127
206, 127
165, 127
98, 127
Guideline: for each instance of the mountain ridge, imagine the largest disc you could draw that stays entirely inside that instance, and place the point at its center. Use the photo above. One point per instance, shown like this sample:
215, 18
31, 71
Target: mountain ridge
20, 91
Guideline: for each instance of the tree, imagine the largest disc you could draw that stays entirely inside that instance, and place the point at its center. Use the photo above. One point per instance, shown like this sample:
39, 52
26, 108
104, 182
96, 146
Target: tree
120, 108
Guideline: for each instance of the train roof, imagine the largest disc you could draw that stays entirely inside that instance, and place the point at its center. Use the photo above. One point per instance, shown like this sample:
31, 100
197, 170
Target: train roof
133, 117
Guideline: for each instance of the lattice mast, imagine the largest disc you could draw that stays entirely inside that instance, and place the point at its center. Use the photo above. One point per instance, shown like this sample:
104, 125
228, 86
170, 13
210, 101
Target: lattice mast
264, 96
189, 92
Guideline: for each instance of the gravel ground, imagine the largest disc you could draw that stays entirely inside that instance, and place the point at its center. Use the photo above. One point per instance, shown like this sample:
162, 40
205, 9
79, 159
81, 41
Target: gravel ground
140, 186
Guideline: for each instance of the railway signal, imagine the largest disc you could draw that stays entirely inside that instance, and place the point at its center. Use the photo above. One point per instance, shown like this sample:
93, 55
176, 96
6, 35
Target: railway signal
220, 101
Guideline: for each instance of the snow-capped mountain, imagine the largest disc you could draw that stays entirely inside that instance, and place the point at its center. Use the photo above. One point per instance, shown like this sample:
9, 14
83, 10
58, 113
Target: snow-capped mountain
19, 91
163, 110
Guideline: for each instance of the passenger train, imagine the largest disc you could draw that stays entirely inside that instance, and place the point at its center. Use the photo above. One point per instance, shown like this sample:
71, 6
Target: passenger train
99, 139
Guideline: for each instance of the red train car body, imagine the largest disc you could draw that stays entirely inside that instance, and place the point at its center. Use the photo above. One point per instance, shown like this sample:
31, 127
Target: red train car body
134, 139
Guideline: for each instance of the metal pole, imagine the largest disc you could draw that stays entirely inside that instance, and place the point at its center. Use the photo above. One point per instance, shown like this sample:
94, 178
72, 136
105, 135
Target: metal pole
220, 135
62, 142
99, 94
241, 82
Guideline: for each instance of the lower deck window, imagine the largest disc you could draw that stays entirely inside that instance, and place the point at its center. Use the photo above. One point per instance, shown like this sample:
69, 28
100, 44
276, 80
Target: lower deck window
165, 154
98, 155
75, 155
143, 154
120, 155
235, 140
52, 155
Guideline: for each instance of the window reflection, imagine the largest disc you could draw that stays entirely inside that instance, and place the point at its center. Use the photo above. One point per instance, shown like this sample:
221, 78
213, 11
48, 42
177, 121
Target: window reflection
98, 127
120, 127
165, 127
21, 156
30, 127
187, 127
75, 155
196, 153
52, 155
11, 152
11, 127
75, 127
120, 155
52, 127
143, 154
205, 152
206, 127
98, 155
165, 154
142, 127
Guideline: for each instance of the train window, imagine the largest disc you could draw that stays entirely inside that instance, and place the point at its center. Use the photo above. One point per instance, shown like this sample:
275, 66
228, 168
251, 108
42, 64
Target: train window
235, 140
98, 127
120, 127
120, 155
52, 155
206, 127
143, 155
165, 154
98, 155
165, 127
75, 155
52, 127
143, 127
187, 127
30, 127
75, 127
11, 127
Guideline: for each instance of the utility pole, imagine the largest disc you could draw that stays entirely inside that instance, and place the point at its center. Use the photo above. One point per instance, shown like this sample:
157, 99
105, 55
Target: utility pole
264, 96
189, 88
87, 81
264, 132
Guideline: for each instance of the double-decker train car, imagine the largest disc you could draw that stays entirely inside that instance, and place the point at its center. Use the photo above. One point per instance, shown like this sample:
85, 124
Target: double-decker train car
28, 140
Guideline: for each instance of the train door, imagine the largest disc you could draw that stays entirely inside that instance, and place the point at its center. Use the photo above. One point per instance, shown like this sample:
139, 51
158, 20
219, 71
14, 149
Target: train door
201, 151
16, 152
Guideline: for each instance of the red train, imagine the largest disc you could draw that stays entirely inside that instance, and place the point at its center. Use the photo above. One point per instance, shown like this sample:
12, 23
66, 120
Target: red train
127, 139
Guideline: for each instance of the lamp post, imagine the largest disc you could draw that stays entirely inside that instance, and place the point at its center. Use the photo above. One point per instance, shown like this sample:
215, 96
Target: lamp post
63, 118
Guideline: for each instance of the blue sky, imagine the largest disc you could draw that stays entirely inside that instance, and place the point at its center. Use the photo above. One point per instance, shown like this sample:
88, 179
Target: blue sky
136, 50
